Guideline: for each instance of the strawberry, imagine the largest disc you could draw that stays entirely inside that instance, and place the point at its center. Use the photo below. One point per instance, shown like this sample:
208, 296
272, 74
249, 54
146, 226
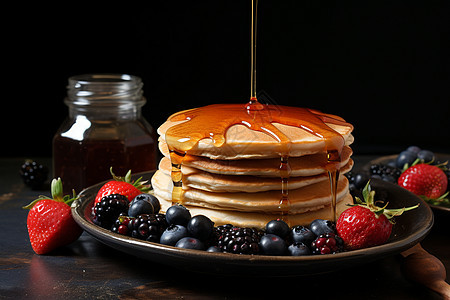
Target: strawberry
365, 224
50, 223
123, 186
424, 180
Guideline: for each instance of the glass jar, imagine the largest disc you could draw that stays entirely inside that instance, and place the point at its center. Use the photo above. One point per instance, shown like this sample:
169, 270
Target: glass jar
104, 129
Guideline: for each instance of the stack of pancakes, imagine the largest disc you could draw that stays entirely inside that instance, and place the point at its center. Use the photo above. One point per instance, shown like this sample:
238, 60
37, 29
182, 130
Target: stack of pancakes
240, 183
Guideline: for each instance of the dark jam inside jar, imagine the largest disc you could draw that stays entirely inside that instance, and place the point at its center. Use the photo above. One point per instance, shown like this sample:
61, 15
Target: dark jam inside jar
104, 129
84, 163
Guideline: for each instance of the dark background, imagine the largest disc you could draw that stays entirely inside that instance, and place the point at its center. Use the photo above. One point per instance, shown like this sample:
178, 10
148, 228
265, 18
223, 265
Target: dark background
382, 65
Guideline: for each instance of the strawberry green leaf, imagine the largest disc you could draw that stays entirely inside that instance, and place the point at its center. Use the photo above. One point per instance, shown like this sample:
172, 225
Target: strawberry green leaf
143, 186
57, 195
41, 197
443, 200
366, 191
128, 176
369, 203
57, 190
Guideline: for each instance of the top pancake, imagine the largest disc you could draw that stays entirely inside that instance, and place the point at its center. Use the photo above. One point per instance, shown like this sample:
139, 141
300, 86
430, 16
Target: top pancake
243, 143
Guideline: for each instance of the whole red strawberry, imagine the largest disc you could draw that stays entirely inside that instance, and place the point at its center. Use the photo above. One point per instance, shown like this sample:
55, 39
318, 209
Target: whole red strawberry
424, 180
50, 223
365, 224
123, 186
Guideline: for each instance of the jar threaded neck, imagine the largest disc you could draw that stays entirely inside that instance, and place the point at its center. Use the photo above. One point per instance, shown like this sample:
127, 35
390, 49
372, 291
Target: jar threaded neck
105, 90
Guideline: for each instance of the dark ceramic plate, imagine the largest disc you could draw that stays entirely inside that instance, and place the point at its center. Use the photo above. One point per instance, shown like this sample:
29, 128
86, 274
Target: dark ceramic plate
386, 159
410, 229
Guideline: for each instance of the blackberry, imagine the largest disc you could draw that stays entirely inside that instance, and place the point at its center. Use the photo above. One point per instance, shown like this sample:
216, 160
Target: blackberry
106, 212
238, 240
384, 172
350, 176
327, 243
33, 174
357, 180
148, 227
222, 229
218, 232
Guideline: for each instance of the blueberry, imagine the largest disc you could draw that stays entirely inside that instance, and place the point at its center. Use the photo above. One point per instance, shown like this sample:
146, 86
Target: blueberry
298, 249
302, 234
143, 204
213, 249
360, 180
277, 227
405, 157
426, 155
319, 226
173, 234
178, 215
413, 149
271, 244
190, 243
200, 227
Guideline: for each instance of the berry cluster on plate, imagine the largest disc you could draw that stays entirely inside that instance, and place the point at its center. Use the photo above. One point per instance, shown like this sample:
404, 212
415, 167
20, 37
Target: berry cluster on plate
414, 169
123, 209
141, 219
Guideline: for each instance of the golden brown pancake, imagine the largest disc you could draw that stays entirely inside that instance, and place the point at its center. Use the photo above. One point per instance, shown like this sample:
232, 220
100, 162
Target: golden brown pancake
199, 179
307, 165
259, 220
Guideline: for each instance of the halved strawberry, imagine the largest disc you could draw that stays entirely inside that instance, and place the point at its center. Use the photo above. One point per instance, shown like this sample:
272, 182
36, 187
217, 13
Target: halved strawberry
123, 186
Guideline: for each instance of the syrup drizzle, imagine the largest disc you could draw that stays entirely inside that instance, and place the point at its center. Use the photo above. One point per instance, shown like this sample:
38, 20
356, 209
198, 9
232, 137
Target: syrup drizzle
285, 171
213, 121
176, 158
333, 161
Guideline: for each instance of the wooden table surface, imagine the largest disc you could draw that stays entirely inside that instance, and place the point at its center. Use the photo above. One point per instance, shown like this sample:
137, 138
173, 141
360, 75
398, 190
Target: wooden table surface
88, 269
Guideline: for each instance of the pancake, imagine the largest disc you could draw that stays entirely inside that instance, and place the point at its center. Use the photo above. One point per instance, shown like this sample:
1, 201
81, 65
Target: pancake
244, 143
304, 199
307, 165
199, 179
259, 220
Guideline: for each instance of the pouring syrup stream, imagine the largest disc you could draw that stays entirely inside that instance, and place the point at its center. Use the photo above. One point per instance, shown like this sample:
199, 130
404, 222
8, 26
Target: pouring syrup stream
253, 52
213, 121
